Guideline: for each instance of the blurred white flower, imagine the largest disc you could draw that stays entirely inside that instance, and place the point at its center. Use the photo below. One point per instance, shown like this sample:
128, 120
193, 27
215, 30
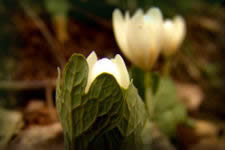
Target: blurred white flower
139, 37
174, 33
115, 66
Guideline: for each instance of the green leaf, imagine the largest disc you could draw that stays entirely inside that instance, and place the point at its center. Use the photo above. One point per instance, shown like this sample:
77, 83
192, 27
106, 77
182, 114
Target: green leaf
102, 107
69, 96
138, 76
155, 82
87, 116
168, 111
138, 80
134, 113
58, 91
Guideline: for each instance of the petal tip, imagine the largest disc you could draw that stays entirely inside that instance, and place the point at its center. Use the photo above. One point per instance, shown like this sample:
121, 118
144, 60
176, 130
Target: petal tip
154, 11
138, 13
117, 13
92, 55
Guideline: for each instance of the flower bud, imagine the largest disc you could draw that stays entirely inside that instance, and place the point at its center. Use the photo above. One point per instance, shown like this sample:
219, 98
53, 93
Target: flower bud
174, 33
139, 36
115, 66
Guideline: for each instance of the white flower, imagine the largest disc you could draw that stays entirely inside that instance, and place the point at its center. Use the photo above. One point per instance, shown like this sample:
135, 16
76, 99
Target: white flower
174, 33
139, 36
115, 66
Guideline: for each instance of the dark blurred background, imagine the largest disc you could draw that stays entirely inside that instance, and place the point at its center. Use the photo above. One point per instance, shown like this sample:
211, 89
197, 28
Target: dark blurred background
36, 37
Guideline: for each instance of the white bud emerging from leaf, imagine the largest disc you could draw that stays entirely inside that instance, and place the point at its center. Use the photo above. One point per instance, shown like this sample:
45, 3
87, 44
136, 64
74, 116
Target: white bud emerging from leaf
116, 67
174, 33
139, 36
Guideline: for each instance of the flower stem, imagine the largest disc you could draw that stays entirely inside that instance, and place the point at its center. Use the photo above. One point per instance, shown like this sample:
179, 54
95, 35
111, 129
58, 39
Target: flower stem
167, 67
60, 25
148, 95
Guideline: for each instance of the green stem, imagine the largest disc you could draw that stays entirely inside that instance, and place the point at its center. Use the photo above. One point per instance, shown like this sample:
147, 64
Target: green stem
167, 67
148, 95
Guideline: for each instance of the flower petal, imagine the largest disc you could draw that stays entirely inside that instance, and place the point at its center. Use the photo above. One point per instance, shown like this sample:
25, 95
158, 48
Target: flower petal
169, 44
154, 26
105, 65
138, 15
91, 60
181, 29
122, 69
174, 32
144, 38
127, 16
154, 13
120, 28
135, 39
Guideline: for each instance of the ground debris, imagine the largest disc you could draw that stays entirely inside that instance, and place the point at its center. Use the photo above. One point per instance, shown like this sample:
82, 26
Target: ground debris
48, 137
10, 123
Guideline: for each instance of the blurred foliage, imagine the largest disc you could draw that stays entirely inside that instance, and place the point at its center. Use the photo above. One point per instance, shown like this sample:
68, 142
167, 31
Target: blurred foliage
57, 7
104, 8
7, 40
138, 75
168, 110
168, 7
9, 43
